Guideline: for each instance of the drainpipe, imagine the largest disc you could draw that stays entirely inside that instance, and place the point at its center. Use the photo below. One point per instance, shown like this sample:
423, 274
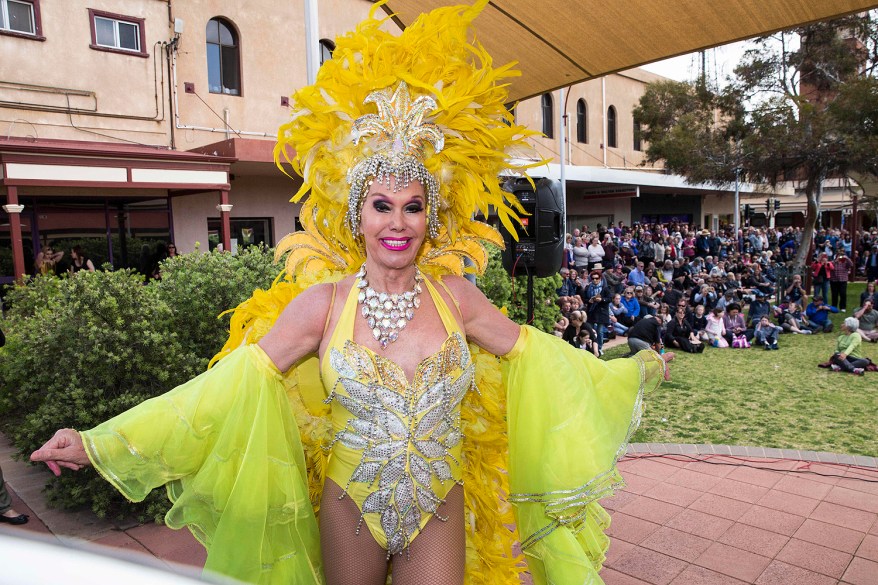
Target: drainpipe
604, 117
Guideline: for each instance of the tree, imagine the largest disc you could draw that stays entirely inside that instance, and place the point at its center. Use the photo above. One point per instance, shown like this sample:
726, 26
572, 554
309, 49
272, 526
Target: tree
790, 113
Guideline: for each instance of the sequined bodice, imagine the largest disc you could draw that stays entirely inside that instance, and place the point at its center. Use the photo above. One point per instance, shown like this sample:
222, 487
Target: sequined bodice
403, 438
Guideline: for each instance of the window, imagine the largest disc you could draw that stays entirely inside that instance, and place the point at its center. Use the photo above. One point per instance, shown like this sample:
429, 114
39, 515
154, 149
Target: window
20, 18
223, 58
637, 145
326, 49
116, 33
245, 231
611, 127
581, 121
548, 116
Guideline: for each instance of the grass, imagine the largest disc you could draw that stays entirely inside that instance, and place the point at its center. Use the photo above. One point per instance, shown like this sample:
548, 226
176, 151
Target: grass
767, 398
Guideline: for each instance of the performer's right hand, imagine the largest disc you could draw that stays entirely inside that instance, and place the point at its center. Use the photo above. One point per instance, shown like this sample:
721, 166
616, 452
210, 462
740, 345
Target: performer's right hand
64, 449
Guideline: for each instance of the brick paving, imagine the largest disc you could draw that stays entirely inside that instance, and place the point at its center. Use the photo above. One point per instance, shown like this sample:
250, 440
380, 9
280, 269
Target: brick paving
690, 515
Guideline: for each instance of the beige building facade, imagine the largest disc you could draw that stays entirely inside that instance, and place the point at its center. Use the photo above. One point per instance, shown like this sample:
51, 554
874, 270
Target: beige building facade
147, 121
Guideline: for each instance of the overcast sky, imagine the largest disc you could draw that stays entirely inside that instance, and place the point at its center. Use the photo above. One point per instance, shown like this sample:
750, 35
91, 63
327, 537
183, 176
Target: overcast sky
720, 63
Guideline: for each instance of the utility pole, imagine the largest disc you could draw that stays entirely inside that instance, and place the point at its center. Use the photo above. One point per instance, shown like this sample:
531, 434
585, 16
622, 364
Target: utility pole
737, 206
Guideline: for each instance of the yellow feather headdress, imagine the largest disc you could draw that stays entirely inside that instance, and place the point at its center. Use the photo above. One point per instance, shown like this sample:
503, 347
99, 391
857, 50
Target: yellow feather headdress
465, 139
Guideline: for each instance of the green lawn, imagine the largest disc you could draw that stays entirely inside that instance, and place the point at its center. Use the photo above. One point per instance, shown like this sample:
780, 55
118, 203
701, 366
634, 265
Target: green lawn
767, 398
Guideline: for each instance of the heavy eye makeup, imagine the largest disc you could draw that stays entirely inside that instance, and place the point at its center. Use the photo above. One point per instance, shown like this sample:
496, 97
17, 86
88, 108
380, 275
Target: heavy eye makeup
383, 206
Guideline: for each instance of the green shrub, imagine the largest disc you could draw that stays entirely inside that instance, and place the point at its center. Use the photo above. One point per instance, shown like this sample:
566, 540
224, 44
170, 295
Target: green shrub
199, 287
498, 287
79, 351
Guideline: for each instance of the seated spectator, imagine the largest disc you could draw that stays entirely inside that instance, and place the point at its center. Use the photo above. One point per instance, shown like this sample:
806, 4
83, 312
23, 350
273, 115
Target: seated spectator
618, 313
645, 334
571, 333
715, 329
848, 356
868, 317
637, 277
869, 293
632, 307
818, 315
765, 333
698, 322
793, 320
47, 261
649, 305
585, 342
568, 283
560, 326
706, 296
727, 299
615, 279
734, 323
666, 274
679, 333
794, 292
759, 308
664, 314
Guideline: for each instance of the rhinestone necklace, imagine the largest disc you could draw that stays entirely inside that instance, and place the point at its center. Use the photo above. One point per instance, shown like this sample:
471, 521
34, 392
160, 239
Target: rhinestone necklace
387, 313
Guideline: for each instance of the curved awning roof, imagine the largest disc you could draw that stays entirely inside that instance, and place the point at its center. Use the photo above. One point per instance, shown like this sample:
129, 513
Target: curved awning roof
561, 42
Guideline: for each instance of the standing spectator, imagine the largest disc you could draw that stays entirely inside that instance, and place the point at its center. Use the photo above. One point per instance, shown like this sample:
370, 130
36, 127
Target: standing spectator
765, 333
869, 294
595, 253
580, 254
838, 282
821, 272
868, 317
848, 356
872, 263
818, 315
596, 297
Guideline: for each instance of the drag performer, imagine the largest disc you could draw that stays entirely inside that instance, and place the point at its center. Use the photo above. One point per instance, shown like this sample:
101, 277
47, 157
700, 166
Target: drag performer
363, 388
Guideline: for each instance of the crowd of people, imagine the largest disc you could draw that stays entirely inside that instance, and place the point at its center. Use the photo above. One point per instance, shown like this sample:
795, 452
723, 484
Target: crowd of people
676, 286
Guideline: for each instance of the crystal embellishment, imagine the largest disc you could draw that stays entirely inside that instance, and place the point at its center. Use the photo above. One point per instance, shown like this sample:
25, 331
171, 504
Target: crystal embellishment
406, 432
387, 313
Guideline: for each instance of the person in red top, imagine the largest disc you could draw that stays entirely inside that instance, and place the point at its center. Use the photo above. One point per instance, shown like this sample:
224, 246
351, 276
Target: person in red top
838, 281
821, 273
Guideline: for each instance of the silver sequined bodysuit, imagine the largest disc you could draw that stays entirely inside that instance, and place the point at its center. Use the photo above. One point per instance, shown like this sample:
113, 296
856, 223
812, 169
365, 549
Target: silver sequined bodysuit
397, 445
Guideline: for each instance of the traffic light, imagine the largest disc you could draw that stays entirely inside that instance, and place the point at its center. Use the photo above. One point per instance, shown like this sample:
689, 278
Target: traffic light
748, 211
767, 205
776, 204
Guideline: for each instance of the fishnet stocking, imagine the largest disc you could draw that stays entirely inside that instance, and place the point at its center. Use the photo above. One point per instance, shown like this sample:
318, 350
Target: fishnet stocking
348, 558
436, 556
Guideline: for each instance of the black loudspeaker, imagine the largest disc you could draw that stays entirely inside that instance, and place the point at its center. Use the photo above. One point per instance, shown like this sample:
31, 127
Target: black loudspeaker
540, 246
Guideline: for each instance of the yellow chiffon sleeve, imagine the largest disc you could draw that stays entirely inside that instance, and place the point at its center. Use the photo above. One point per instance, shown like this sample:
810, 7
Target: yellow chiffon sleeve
227, 445
570, 416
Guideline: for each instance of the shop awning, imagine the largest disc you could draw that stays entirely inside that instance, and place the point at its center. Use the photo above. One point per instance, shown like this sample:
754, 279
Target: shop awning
561, 42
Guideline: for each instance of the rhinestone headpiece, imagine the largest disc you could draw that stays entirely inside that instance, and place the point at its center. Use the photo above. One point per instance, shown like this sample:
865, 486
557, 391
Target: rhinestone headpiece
399, 137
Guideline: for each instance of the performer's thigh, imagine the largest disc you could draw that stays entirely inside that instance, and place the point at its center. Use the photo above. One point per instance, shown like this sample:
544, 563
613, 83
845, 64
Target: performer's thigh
348, 558
438, 554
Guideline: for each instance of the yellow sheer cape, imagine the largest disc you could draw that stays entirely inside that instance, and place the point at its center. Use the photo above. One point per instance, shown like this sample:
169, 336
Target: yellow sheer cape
240, 449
